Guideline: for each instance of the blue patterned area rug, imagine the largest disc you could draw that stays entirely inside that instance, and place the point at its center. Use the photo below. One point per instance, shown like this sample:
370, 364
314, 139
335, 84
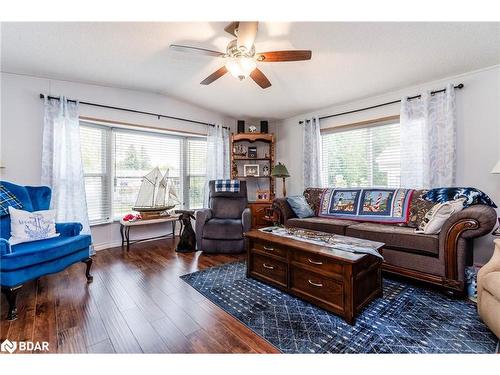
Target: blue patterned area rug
408, 319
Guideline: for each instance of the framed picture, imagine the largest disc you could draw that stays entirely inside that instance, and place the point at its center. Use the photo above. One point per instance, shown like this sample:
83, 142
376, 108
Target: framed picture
251, 170
263, 195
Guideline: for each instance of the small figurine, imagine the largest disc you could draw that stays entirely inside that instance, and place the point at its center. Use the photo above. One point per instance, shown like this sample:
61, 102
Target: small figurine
265, 170
252, 129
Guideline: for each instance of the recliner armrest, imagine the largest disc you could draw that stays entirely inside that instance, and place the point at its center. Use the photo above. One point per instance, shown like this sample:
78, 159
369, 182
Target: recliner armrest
246, 219
69, 229
4, 247
202, 216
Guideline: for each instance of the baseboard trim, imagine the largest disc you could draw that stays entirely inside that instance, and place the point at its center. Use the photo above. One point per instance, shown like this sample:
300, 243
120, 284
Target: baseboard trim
107, 245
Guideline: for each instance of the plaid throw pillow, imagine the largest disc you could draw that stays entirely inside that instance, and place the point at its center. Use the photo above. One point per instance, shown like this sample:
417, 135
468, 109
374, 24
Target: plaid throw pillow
232, 186
7, 199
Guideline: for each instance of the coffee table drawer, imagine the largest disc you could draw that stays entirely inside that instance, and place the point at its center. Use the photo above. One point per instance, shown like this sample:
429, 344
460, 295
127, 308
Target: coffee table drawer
269, 248
319, 287
317, 262
269, 268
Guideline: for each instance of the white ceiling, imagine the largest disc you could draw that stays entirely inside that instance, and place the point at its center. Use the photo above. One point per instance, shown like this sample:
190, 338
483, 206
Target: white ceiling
349, 60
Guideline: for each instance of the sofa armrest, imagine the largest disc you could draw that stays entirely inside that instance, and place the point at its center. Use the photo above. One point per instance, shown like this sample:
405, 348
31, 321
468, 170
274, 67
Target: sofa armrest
69, 229
246, 219
4, 246
472, 222
202, 216
284, 210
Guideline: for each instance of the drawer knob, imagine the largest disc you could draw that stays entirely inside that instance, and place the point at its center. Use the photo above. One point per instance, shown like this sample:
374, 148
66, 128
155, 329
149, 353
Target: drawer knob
268, 267
315, 284
268, 248
314, 262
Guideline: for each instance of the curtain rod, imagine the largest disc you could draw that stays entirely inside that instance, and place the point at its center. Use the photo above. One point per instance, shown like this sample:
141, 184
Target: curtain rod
158, 115
459, 86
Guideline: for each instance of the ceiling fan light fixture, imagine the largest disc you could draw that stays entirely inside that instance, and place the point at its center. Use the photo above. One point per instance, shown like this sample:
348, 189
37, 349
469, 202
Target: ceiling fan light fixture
240, 67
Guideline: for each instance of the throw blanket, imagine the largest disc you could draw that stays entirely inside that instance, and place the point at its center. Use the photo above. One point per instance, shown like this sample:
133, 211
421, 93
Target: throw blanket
232, 186
333, 241
386, 206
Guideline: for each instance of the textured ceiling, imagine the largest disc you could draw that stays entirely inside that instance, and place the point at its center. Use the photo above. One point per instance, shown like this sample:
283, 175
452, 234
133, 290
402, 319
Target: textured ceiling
349, 60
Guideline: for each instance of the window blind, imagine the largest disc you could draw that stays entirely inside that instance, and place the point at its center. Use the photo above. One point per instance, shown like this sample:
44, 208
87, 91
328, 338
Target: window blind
135, 154
196, 172
361, 157
94, 151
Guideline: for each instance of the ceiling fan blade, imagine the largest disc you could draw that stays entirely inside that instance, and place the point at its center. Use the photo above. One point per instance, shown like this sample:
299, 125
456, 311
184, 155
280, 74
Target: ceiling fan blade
199, 51
260, 78
231, 28
279, 56
247, 31
215, 75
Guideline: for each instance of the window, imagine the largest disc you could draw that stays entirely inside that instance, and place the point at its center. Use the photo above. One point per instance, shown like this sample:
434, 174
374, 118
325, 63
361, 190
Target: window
95, 146
116, 159
196, 171
366, 156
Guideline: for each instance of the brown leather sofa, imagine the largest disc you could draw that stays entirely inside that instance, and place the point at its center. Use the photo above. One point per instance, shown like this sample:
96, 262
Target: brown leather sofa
438, 259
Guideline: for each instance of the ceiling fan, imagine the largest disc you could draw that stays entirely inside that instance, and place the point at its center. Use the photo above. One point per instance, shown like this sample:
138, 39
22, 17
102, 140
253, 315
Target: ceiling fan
240, 56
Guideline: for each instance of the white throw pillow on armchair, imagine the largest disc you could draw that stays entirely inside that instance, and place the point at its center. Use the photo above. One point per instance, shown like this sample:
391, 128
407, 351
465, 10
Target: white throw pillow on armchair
28, 226
436, 217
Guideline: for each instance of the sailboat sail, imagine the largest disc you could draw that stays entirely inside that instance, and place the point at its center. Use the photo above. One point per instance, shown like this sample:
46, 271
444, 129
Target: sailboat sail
156, 194
148, 188
162, 191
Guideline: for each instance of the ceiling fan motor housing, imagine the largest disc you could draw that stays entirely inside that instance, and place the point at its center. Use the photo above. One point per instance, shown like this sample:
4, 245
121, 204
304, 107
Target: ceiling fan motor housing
233, 50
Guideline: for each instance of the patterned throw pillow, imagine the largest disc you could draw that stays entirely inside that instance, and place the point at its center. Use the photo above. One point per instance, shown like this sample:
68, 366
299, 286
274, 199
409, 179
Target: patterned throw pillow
437, 216
28, 226
472, 196
313, 198
7, 199
300, 206
418, 208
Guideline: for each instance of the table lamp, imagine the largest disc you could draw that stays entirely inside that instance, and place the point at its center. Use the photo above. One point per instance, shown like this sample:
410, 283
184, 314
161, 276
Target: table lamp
496, 169
280, 171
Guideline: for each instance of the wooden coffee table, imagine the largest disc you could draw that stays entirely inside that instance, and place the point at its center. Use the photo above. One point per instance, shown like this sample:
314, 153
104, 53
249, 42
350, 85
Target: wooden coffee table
338, 281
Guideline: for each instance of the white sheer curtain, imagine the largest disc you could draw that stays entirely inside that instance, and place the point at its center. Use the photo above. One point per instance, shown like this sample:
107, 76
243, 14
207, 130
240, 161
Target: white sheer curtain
428, 140
217, 156
311, 153
62, 168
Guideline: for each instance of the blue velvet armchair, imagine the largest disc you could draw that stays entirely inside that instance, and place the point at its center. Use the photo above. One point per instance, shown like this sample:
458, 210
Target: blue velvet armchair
31, 260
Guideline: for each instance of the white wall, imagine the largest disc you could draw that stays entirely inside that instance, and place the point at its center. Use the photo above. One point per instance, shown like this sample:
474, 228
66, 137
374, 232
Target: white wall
478, 134
22, 123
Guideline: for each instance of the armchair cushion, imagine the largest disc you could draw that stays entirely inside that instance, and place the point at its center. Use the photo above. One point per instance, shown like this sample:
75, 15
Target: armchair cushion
31, 253
223, 229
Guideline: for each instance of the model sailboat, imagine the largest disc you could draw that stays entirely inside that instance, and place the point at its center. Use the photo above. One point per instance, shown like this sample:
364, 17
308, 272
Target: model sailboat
156, 195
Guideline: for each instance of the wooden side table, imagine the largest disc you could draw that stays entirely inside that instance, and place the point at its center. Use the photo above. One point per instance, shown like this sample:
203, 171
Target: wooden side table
125, 227
260, 217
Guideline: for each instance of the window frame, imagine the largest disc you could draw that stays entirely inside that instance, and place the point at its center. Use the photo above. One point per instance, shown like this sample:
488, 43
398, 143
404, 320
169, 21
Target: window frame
367, 124
109, 176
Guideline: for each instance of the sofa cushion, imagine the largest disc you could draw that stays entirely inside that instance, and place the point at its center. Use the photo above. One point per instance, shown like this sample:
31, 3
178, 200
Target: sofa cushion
30, 253
491, 283
313, 198
336, 226
223, 229
396, 237
418, 208
300, 206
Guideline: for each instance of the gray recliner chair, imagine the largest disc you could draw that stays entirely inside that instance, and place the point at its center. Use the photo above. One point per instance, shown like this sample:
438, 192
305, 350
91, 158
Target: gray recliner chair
220, 228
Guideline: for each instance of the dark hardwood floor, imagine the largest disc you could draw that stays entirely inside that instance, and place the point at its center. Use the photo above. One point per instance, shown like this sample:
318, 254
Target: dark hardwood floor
136, 304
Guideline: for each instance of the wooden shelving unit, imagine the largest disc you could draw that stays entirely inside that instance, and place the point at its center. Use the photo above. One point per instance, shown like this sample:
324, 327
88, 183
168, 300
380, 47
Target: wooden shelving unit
258, 207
